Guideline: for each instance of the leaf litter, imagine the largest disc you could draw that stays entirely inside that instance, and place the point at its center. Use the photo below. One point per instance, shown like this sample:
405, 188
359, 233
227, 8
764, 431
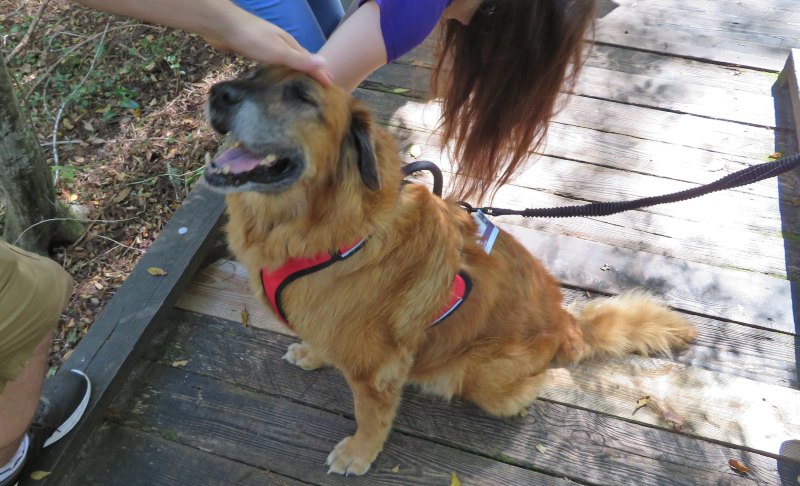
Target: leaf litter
130, 143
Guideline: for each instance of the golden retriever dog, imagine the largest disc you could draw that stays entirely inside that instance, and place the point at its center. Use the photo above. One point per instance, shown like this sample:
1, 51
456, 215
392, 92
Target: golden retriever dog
308, 175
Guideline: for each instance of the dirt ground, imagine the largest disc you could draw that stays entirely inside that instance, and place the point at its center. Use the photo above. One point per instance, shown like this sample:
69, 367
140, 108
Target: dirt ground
117, 106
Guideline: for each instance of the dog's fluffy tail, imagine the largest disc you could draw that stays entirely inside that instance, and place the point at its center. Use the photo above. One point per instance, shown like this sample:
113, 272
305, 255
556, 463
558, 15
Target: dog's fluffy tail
633, 322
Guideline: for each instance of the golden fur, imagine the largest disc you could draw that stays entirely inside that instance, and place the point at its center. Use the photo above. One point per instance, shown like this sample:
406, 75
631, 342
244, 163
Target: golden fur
369, 315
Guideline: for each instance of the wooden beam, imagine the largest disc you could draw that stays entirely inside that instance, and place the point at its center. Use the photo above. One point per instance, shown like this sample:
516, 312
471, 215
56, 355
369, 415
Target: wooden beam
123, 330
790, 79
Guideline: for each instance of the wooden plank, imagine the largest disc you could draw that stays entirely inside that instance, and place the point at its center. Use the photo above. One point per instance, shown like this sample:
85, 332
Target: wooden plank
580, 444
736, 411
731, 349
221, 290
667, 69
640, 78
293, 440
628, 137
703, 230
679, 97
716, 136
768, 17
123, 329
697, 288
765, 11
642, 26
603, 147
715, 292
120, 456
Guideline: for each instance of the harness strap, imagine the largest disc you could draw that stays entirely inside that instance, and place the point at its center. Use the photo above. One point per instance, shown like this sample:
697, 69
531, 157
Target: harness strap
274, 282
459, 291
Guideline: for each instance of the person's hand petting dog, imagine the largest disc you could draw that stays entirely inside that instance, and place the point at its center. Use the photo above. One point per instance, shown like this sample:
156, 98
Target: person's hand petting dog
226, 27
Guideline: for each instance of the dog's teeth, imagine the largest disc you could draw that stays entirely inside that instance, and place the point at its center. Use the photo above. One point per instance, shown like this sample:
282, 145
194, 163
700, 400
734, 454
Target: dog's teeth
226, 170
269, 160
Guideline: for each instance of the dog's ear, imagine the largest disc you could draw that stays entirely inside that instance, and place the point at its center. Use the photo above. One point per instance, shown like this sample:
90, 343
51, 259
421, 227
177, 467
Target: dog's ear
361, 134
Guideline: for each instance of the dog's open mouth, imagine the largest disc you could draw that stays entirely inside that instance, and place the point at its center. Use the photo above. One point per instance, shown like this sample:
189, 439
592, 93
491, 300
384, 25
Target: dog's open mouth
239, 169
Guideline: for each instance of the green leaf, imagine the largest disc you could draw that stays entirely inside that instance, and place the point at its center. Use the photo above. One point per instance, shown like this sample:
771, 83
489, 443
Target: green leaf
400, 90
67, 172
129, 104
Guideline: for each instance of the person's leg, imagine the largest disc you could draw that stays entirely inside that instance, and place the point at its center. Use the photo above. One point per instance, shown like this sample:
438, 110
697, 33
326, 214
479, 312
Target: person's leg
33, 292
19, 398
293, 16
328, 13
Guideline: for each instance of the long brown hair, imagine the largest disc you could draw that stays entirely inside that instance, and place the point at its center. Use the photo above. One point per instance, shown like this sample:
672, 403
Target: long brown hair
500, 77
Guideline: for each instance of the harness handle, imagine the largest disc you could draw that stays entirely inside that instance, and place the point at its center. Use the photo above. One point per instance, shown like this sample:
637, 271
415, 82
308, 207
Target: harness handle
436, 172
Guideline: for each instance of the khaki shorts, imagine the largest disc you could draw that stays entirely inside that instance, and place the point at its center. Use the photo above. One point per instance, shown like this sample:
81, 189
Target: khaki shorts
33, 292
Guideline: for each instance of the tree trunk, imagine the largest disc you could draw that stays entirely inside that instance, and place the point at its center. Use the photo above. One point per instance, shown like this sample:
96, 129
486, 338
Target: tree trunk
26, 184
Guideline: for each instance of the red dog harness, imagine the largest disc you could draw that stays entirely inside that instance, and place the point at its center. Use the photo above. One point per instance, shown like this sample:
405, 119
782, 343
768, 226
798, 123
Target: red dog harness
274, 282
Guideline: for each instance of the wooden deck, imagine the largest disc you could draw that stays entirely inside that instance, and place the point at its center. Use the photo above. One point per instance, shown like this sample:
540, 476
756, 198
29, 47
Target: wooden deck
675, 94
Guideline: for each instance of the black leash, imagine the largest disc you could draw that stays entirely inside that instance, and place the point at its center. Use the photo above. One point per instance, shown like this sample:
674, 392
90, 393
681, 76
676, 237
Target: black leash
740, 178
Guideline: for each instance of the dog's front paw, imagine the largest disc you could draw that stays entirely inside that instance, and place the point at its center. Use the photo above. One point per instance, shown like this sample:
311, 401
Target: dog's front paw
347, 458
301, 354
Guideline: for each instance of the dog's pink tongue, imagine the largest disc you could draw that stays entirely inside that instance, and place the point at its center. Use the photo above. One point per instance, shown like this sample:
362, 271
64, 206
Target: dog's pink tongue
238, 160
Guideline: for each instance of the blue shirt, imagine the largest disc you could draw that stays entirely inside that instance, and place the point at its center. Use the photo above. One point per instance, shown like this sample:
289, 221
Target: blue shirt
406, 23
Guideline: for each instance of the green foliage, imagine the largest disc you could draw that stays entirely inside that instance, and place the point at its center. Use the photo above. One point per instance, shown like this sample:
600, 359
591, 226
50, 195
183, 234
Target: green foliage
66, 173
110, 89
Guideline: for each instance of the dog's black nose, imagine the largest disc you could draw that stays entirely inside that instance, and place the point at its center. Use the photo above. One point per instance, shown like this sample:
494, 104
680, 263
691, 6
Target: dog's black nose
226, 94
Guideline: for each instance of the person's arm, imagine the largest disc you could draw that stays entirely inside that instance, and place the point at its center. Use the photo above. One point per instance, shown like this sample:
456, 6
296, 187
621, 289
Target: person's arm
356, 48
377, 32
223, 25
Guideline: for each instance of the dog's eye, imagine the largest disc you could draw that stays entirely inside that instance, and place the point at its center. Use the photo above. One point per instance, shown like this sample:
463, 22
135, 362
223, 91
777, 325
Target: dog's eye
254, 73
300, 92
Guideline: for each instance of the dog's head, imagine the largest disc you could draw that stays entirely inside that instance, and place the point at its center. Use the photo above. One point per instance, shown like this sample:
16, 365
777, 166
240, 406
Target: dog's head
288, 133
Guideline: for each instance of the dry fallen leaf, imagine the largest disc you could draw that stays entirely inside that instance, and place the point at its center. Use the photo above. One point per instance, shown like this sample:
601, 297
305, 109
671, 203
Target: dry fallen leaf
644, 401
454, 481
121, 195
738, 466
180, 363
674, 420
396, 469
775, 155
156, 271
541, 448
415, 151
523, 412
39, 475
245, 317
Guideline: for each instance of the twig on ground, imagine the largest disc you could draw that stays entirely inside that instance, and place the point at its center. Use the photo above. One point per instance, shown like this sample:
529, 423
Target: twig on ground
72, 49
61, 142
79, 220
27, 37
56, 171
120, 244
